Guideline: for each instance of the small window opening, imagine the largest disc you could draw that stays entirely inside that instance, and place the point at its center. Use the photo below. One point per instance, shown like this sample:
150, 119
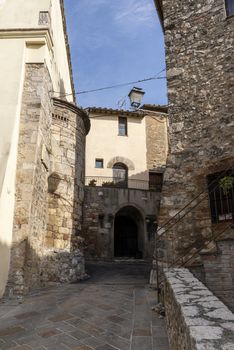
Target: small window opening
101, 220
155, 181
99, 163
123, 126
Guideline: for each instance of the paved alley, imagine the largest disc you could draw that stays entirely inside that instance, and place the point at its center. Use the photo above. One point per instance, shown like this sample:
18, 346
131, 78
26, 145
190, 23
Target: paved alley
111, 310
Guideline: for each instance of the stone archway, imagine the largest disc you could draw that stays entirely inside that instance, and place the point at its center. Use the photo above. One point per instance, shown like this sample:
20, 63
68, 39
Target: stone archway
129, 164
128, 233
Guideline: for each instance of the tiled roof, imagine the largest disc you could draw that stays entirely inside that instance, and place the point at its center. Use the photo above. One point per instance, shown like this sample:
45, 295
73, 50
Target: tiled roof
113, 111
138, 113
155, 108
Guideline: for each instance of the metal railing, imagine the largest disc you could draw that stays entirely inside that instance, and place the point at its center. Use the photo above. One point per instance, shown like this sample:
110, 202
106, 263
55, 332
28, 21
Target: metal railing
116, 182
180, 240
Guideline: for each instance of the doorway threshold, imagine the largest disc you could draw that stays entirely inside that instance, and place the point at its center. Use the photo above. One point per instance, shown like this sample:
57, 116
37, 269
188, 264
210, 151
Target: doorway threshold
127, 260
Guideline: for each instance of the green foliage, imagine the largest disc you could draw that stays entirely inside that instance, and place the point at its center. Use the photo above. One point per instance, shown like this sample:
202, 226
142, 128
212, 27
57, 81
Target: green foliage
92, 183
226, 184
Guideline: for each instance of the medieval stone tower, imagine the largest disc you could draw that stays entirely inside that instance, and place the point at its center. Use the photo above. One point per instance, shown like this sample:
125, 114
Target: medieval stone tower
42, 148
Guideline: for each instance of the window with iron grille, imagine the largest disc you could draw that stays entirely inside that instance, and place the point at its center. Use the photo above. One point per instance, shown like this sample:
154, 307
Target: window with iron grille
155, 181
44, 18
230, 7
221, 202
123, 126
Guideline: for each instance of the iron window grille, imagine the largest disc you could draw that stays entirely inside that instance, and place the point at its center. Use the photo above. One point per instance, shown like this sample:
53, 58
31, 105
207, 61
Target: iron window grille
221, 202
155, 181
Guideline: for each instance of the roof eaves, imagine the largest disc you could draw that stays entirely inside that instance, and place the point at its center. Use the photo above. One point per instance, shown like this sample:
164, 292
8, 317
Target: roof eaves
67, 48
155, 108
113, 111
159, 7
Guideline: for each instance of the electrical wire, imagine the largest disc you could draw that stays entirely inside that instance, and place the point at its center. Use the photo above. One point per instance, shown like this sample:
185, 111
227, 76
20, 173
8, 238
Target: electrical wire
156, 77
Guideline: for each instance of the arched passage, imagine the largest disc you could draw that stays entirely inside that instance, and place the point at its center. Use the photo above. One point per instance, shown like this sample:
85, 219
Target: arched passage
128, 233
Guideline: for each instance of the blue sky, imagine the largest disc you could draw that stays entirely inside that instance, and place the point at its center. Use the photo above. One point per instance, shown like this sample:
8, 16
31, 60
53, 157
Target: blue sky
115, 41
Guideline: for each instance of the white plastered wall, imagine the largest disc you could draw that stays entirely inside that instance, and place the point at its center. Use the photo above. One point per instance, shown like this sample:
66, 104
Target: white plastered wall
11, 60
60, 68
21, 13
103, 142
24, 14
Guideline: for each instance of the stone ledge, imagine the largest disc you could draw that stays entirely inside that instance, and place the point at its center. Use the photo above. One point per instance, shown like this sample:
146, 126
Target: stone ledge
197, 320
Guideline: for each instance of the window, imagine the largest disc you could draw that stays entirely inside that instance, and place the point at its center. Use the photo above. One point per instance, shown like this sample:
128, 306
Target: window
230, 7
123, 126
101, 220
155, 181
99, 163
221, 202
120, 174
44, 18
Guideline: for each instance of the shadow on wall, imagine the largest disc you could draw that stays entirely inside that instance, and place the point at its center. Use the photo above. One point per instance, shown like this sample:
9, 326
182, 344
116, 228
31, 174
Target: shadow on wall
4, 266
55, 266
62, 89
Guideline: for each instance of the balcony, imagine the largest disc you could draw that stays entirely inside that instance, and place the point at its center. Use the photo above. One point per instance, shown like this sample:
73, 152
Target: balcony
116, 182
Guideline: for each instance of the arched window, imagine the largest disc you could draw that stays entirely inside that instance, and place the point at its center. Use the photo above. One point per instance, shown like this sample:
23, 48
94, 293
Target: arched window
120, 174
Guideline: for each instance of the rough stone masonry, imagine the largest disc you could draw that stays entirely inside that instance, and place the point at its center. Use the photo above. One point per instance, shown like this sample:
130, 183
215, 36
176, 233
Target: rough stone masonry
49, 187
196, 319
199, 57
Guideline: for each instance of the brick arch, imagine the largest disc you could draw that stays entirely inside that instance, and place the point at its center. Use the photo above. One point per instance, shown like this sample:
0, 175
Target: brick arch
123, 160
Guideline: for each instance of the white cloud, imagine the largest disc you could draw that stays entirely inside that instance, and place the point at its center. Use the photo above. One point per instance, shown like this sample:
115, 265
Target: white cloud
126, 18
135, 13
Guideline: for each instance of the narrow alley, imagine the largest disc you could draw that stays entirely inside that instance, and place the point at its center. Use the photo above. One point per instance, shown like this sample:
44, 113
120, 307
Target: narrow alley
111, 310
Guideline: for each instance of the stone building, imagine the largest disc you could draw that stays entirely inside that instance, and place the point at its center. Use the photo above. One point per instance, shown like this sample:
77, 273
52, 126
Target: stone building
125, 159
42, 149
199, 57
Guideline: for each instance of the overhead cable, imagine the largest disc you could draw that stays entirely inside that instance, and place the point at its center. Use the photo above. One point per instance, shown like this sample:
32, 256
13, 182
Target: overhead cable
156, 77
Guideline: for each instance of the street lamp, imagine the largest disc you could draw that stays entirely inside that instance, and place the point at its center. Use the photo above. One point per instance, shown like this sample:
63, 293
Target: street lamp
135, 96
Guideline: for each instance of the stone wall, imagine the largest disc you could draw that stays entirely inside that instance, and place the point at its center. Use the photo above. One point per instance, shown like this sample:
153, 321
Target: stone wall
100, 207
199, 46
63, 247
31, 178
196, 319
156, 141
41, 245
218, 269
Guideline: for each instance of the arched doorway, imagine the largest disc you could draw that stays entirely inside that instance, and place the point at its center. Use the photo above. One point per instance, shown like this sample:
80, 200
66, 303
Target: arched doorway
128, 233
120, 174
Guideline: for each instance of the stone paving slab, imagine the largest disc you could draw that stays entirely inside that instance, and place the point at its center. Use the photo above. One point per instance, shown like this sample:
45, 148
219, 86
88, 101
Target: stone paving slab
110, 311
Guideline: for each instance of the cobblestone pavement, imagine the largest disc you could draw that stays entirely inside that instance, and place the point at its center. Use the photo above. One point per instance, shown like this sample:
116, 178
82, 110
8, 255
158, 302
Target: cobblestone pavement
111, 310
